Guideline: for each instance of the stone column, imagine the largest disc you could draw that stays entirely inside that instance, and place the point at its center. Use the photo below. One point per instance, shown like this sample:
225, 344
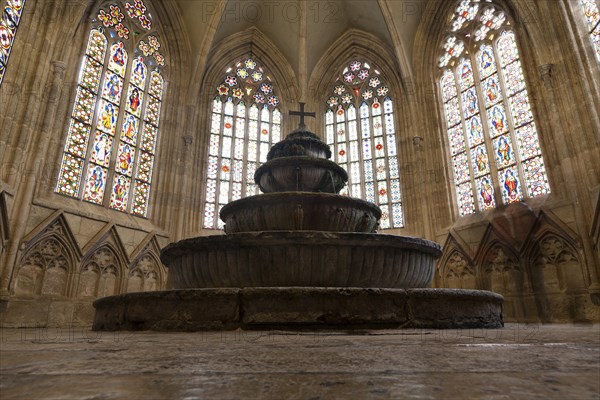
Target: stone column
34, 163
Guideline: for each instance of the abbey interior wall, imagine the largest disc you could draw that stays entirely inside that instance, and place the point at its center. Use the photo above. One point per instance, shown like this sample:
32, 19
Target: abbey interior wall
58, 254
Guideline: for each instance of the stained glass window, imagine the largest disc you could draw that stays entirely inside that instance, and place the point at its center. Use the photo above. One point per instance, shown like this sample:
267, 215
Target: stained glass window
245, 123
11, 16
494, 145
108, 157
592, 15
360, 128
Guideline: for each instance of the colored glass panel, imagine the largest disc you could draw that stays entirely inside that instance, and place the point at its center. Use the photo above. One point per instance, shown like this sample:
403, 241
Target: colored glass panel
125, 157
486, 61
510, 186
115, 104
513, 76
504, 151
480, 159
457, 141
11, 16
101, 149
466, 204
461, 168
130, 129
77, 139
470, 103
485, 193
140, 198
156, 85
519, 105
84, 105
527, 139
497, 119
139, 73
95, 183
510, 123
133, 104
475, 131
71, 169
89, 77
120, 193
448, 86
112, 87
452, 112
492, 92
465, 75
535, 177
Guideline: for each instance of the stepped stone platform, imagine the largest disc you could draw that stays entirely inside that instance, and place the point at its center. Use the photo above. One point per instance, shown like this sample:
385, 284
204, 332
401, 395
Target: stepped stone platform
298, 308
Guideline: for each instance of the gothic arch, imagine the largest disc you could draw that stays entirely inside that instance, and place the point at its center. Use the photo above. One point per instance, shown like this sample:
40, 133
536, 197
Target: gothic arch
353, 43
168, 23
356, 45
555, 257
103, 269
146, 272
47, 265
498, 264
429, 38
238, 45
455, 268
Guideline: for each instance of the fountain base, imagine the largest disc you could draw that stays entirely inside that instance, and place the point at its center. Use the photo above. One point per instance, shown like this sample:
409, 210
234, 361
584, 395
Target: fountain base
298, 308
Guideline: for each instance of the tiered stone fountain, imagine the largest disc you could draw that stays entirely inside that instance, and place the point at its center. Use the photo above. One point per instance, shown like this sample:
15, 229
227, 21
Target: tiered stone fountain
300, 255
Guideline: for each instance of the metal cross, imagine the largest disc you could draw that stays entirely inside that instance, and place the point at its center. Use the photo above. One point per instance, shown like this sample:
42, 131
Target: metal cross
302, 114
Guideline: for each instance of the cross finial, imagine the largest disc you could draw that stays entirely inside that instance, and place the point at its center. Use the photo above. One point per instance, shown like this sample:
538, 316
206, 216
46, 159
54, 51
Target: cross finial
302, 114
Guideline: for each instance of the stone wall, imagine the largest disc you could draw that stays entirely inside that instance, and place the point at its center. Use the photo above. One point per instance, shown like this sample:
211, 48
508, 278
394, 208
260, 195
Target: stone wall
56, 279
57, 254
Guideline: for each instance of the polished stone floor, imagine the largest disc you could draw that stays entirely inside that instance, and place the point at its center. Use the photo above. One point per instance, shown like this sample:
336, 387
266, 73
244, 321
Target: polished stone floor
517, 362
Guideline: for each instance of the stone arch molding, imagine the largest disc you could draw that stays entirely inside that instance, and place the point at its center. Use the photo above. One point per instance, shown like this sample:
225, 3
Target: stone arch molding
498, 264
104, 267
353, 43
455, 268
555, 257
146, 273
238, 45
49, 258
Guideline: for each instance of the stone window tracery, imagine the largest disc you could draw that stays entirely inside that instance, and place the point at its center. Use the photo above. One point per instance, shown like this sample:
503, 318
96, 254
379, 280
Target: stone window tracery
494, 145
360, 128
245, 123
110, 148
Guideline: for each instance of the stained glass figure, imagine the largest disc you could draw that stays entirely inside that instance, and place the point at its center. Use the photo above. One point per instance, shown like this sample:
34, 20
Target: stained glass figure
365, 143
501, 150
245, 123
114, 89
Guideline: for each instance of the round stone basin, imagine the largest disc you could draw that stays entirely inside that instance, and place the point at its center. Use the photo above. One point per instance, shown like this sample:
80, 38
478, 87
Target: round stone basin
303, 259
303, 174
300, 211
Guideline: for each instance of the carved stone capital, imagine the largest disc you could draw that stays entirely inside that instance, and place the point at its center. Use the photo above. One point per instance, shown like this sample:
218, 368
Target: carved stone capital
58, 69
545, 71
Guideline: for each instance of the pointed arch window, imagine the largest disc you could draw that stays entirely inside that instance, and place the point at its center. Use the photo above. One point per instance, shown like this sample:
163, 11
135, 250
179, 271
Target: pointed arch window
245, 123
12, 11
592, 16
111, 141
360, 128
494, 144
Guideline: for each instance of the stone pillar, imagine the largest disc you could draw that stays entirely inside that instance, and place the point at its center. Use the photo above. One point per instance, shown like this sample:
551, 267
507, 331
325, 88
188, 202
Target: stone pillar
34, 163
